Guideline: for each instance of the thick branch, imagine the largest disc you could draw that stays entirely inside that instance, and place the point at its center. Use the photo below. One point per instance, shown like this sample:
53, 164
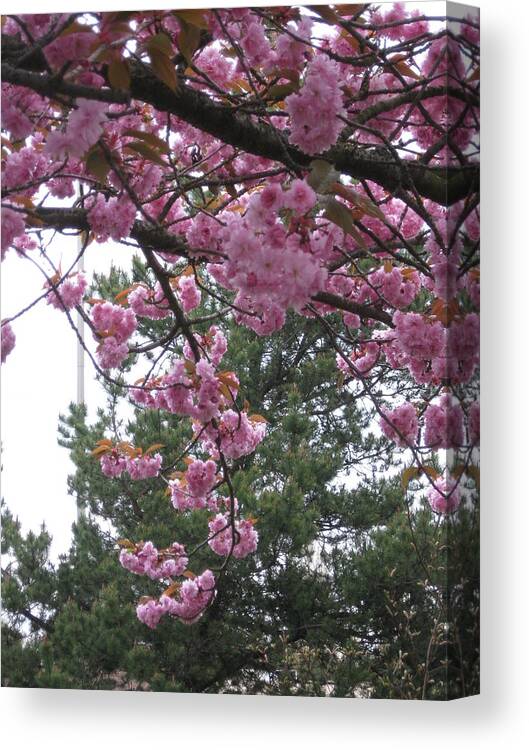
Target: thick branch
364, 311
443, 185
154, 238
151, 237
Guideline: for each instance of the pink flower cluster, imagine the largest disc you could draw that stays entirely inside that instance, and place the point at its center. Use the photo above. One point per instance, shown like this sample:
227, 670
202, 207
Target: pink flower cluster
149, 303
404, 30
70, 48
300, 197
84, 128
444, 423
202, 233
444, 265
241, 541
194, 487
115, 462
444, 57
24, 167
69, 293
7, 340
172, 392
362, 361
418, 337
112, 219
239, 435
146, 560
144, 467
398, 287
255, 45
432, 352
13, 226
115, 325
190, 390
445, 497
193, 598
289, 52
474, 423
189, 293
272, 267
314, 111
213, 343
201, 476
18, 104
463, 341
400, 424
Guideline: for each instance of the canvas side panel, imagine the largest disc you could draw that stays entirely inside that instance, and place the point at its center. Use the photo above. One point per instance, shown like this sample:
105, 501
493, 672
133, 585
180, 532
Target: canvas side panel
462, 256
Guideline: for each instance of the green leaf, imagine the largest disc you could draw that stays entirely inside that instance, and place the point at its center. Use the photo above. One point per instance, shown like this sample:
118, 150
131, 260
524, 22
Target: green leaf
196, 18
125, 544
322, 175
163, 68
361, 202
341, 216
97, 164
75, 28
149, 138
146, 151
160, 43
118, 75
188, 40
412, 472
278, 92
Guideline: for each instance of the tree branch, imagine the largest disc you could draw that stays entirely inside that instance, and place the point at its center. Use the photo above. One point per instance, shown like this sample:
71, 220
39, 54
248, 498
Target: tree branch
443, 185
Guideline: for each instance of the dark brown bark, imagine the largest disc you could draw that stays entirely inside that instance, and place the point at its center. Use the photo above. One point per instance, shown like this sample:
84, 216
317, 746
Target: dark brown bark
443, 185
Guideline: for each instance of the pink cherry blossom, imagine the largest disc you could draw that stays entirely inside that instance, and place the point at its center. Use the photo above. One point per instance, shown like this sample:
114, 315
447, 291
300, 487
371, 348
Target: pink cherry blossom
444, 423
150, 613
400, 424
238, 435
473, 423
149, 303
194, 596
201, 476
7, 341
193, 490
445, 497
115, 325
145, 559
13, 226
314, 111
300, 197
417, 337
241, 542
188, 293
84, 128
113, 464
255, 45
144, 467
112, 219
69, 292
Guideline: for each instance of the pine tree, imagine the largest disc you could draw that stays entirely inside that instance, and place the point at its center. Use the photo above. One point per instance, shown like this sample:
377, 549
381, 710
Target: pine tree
339, 599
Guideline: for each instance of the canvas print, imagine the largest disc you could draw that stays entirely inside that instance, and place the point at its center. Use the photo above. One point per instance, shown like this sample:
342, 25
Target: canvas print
240, 350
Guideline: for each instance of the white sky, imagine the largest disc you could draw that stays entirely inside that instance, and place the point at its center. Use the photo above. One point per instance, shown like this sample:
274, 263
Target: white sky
39, 380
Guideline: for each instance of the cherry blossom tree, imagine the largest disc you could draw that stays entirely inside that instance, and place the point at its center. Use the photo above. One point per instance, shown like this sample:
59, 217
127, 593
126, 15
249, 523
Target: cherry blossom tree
321, 161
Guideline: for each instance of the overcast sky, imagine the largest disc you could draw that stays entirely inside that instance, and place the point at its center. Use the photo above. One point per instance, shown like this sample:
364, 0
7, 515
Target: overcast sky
39, 380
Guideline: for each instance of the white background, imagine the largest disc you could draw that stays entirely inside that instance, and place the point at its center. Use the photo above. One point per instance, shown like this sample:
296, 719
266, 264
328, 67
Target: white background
499, 717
